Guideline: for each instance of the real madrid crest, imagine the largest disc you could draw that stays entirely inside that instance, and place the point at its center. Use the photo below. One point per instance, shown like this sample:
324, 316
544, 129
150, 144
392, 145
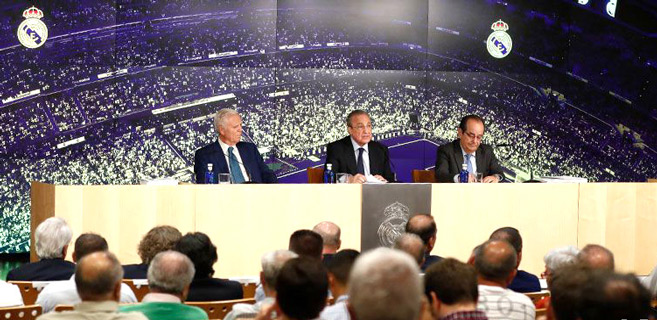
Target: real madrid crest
499, 42
394, 224
32, 32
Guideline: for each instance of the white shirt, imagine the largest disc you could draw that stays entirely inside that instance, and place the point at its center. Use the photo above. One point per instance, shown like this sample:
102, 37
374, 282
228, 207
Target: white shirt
503, 304
236, 152
65, 292
366, 156
338, 311
10, 295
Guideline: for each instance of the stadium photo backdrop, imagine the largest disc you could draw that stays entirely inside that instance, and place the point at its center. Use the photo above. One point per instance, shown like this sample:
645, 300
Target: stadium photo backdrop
118, 92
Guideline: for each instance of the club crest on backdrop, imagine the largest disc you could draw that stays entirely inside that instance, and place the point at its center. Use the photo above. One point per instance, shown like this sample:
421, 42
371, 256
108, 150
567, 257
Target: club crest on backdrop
32, 33
394, 225
499, 42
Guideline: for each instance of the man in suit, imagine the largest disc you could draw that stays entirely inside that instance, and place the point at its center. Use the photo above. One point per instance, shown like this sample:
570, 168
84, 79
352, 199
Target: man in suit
230, 155
468, 149
52, 237
357, 154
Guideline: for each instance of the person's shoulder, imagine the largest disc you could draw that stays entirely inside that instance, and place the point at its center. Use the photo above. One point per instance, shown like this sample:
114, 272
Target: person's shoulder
339, 142
448, 145
376, 144
519, 297
208, 148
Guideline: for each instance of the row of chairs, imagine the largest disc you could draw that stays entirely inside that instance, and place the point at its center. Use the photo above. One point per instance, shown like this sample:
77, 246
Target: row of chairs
30, 290
316, 175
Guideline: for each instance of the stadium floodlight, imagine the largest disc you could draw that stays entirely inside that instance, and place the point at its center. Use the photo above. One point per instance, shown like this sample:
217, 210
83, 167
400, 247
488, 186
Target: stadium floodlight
611, 8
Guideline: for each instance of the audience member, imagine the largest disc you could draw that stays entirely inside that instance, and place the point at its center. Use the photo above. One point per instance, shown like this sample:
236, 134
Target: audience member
10, 295
169, 276
566, 291
554, 260
338, 277
198, 247
523, 281
330, 233
65, 292
411, 244
451, 287
596, 256
98, 280
271, 262
384, 284
424, 226
307, 243
495, 262
52, 237
611, 296
158, 239
301, 289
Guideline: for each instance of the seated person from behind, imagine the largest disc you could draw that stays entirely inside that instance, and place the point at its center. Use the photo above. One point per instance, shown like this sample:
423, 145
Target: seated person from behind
198, 247
169, 276
468, 149
357, 154
228, 154
52, 237
158, 239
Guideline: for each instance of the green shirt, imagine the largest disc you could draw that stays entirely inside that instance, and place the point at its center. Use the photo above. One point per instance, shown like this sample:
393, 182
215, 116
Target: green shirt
166, 311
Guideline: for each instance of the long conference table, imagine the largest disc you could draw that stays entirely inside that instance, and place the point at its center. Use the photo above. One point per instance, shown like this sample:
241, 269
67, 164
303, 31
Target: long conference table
245, 221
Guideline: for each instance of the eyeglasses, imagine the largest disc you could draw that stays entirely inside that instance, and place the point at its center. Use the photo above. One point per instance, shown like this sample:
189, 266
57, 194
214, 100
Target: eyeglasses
473, 136
361, 127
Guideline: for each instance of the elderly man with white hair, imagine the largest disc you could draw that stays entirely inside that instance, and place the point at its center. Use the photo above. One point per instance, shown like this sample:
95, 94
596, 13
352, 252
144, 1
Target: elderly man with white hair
228, 154
385, 284
52, 238
169, 276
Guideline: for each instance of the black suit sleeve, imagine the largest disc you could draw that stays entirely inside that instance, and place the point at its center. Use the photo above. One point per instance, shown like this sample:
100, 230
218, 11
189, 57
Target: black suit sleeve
442, 165
387, 172
332, 157
199, 167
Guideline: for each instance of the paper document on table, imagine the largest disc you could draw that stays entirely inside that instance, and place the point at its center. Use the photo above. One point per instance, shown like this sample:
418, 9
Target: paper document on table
373, 180
563, 179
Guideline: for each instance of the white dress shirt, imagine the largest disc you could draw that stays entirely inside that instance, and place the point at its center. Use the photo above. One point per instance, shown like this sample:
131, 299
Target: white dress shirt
10, 295
366, 155
65, 292
236, 152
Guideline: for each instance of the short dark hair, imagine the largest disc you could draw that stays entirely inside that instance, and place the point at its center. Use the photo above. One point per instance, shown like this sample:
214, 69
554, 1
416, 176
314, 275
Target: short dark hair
509, 234
307, 243
495, 267
198, 247
88, 243
354, 113
608, 295
156, 240
426, 231
566, 290
301, 288
341, 263
463, 125
452, 281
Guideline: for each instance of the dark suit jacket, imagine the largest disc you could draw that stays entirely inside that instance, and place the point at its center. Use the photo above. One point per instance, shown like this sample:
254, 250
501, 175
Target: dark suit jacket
341, 155
135, 271
429, 260
43, 270
212, 289
251, 158
449, 159
525, 282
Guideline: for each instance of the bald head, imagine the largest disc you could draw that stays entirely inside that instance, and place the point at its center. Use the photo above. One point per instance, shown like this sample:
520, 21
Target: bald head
170, 272
330, 233
596, 257
424, 226
98, 277
495, 261
411, 244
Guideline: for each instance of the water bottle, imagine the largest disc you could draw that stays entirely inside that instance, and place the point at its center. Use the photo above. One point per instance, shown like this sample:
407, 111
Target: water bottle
209, 175
329, 175
464, 175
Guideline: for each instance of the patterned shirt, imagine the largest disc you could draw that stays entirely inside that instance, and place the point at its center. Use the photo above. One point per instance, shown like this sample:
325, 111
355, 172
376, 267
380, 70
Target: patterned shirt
503, 304
466, 315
